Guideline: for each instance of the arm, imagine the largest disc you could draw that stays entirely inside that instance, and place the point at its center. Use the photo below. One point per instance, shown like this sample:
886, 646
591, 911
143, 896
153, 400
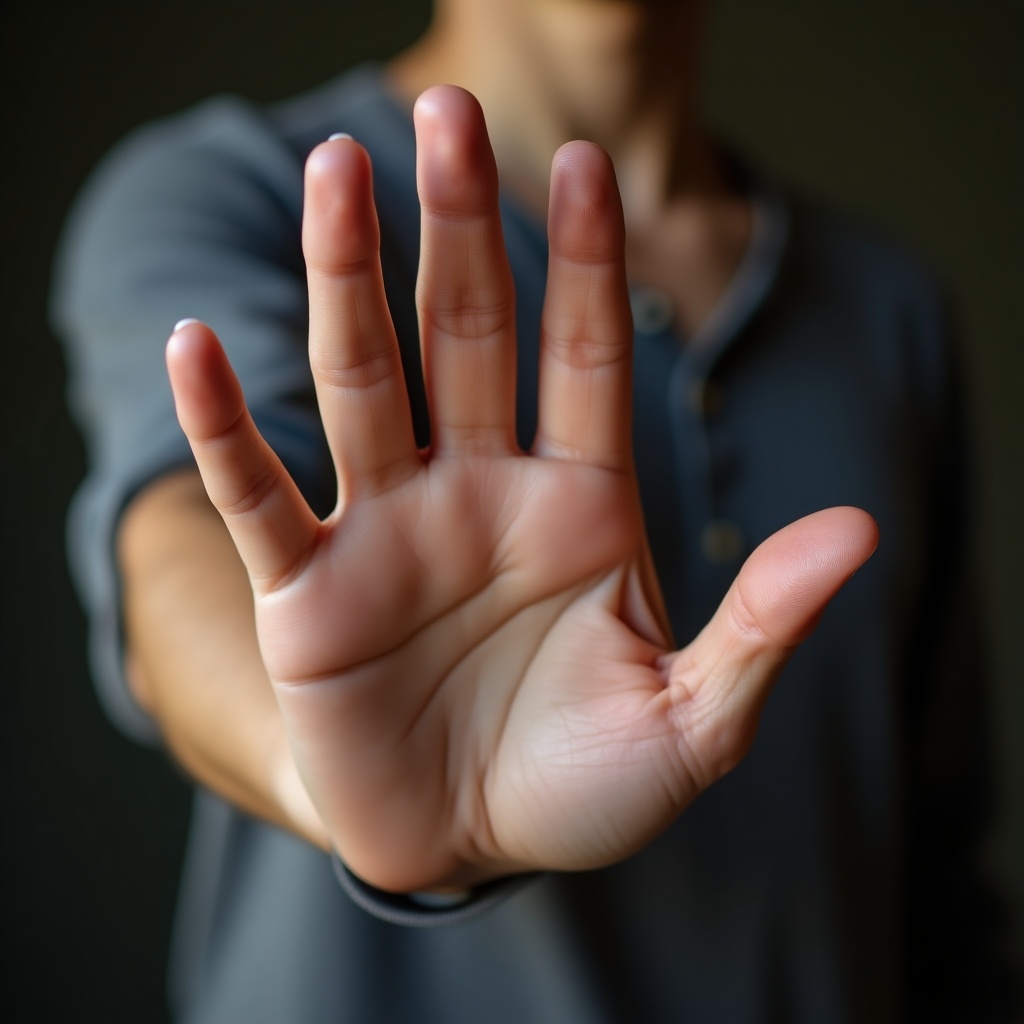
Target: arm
192, 658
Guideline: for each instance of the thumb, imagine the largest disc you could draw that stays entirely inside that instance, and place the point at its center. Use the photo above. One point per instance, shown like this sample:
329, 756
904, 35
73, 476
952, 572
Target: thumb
720, 681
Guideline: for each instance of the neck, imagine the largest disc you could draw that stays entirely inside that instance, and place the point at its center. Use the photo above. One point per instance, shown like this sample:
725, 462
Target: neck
621, 73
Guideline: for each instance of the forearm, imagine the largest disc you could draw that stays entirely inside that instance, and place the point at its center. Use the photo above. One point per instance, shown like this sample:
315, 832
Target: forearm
193, 658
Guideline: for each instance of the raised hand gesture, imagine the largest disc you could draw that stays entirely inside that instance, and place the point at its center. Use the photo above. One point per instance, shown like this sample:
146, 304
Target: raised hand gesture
470, 653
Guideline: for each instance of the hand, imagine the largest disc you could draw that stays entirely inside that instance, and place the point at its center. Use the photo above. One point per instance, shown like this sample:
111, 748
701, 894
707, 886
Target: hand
470, 654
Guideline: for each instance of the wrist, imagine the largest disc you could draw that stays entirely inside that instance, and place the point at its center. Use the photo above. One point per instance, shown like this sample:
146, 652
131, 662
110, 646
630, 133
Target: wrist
292, 797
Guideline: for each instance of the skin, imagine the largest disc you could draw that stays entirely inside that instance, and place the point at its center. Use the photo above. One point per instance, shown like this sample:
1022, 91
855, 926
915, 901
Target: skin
465, 671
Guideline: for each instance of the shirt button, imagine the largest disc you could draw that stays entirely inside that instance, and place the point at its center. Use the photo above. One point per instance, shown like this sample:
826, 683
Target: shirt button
653, 310
705, 398
721, 542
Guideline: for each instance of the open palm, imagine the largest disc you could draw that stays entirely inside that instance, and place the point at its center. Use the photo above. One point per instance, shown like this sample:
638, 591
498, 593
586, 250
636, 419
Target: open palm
470, 654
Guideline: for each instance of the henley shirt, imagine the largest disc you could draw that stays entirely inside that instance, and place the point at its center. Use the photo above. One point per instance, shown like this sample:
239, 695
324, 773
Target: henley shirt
831, 876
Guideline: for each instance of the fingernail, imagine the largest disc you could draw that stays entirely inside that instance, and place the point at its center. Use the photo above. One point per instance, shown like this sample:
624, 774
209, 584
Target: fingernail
184, 323
338, 135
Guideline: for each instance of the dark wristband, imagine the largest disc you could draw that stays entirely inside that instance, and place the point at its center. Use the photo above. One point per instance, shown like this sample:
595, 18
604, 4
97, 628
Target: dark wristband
401, 909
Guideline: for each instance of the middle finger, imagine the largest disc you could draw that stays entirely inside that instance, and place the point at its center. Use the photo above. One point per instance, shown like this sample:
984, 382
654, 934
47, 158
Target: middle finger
465, 295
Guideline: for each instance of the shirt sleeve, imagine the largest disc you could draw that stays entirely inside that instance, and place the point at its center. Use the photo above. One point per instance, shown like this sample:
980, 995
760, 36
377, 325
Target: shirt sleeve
196, 216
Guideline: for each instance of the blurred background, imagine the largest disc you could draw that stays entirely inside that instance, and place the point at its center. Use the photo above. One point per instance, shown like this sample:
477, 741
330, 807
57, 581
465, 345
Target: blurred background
909, 113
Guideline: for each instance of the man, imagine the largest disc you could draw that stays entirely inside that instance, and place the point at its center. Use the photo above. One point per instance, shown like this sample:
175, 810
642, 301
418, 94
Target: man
461, 680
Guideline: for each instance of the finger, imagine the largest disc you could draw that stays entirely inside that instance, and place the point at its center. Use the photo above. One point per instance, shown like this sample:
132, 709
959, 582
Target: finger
719, 683
587, 330
465, 294
269, 520
353, 351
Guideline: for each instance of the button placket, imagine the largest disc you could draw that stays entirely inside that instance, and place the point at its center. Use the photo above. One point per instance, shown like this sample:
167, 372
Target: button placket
704, 398
722, 542
653, 310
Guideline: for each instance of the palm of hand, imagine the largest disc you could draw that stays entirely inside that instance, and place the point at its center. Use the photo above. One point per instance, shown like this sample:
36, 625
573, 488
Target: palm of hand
469, 654
494, 703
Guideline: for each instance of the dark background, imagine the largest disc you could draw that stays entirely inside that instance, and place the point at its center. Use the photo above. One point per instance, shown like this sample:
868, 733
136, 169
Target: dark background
908, 112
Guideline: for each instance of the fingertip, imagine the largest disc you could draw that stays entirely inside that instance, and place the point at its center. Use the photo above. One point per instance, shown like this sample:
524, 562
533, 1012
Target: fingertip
339, 154
455, 167
581, 156
443, 102
585, 219
186, 338
339, 221
871, 534
338, 161
206, 391
787, 582
852, 533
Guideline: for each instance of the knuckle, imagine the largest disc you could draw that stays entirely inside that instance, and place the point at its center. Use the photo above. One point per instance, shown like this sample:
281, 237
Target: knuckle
357, 372
580, 350
470, 315
247, 496
340, 263
714, 734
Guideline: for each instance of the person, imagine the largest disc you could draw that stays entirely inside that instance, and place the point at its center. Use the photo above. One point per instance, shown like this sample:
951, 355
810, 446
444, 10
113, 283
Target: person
406, 611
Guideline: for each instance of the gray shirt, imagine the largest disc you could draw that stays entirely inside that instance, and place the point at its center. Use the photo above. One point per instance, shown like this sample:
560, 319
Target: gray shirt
830, 877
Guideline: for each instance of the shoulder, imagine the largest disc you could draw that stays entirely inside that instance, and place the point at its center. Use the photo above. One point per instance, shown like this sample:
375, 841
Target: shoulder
225, 171
179, 189
863, 256
872, 290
